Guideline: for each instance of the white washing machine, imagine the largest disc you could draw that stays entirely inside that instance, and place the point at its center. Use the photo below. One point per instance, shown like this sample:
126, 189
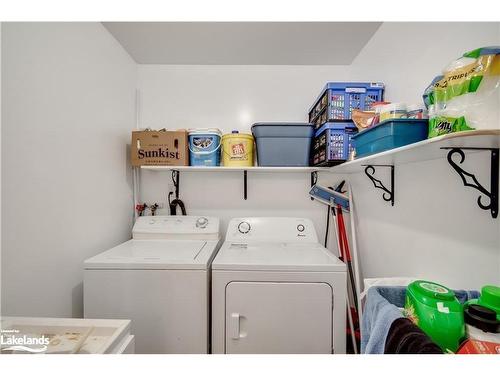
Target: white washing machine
160, 280
276, 289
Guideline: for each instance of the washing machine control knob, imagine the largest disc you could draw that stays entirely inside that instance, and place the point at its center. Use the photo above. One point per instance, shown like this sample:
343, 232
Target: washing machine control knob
202, 222
244, 227
301, 228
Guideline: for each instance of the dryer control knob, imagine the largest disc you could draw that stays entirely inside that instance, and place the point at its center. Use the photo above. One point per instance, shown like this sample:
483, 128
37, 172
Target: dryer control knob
202, 222
244, 227
301, 228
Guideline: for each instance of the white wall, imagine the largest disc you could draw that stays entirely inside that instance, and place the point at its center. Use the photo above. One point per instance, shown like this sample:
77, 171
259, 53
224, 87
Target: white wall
229, 96
406, 56
233, 97
0, 165
68, 95
435, 230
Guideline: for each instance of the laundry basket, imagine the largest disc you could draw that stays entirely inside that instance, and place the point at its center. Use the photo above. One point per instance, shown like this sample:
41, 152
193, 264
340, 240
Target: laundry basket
338, 99
333, 143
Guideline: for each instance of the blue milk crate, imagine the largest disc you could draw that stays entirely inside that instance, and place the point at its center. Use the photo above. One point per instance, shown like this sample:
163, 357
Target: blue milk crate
333, 143
338, 99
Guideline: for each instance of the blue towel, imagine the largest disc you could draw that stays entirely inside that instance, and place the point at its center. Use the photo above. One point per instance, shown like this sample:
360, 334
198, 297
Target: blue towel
465, 295
382, 309
378, 315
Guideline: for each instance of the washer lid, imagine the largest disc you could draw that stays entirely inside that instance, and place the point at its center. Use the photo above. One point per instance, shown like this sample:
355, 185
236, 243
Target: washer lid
155, 254
276, 257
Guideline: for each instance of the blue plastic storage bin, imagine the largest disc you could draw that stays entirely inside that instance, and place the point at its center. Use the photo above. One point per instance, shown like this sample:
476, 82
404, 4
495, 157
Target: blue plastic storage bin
390, 134
338, 99
333, 143
283, 144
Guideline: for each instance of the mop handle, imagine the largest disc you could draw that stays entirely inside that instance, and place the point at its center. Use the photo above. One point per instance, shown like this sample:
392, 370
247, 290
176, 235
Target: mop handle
345, 244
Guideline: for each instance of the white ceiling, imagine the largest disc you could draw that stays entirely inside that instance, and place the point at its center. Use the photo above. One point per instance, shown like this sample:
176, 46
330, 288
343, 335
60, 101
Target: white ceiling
243, 43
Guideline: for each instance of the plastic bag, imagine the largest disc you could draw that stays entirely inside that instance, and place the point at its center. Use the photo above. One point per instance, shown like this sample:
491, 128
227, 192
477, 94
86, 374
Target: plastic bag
467, 95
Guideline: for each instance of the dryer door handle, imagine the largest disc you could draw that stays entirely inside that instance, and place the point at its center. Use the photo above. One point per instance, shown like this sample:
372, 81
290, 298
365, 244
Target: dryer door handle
234, 326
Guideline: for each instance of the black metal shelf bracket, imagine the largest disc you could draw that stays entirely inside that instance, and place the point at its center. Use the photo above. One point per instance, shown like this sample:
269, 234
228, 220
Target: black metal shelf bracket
470, 179
245, 187
314, 180
388, 194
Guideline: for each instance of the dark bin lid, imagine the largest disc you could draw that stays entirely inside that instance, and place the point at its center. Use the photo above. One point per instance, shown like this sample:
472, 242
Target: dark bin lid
282, 124
482, 318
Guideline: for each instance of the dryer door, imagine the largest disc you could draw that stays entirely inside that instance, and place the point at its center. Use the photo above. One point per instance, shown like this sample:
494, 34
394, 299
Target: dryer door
279, 317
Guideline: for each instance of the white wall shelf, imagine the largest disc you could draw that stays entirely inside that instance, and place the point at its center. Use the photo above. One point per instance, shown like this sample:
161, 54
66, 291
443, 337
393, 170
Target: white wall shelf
429, 149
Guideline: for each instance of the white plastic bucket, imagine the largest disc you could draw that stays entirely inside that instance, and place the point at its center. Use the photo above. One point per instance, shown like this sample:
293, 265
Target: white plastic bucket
204, 147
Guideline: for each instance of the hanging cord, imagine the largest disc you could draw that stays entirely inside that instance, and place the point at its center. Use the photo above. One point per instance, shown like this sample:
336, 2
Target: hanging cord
173, 205
328, 221
176, 202
338, 189
327, 225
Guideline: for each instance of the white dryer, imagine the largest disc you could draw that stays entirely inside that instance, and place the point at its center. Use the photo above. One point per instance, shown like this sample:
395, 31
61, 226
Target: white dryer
160, 280
276, 289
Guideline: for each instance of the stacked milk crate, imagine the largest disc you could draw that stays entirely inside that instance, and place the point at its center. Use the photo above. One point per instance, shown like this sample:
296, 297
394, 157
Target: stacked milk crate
331, 116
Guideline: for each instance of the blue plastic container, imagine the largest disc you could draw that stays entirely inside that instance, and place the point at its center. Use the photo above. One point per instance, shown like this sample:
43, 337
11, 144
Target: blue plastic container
333, 143
283, 144
204, 147
338, 99
390, 134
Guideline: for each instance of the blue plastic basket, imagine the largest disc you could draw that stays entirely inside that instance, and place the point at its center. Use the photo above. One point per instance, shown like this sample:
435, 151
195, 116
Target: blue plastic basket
333, 143
338, 99
390, 134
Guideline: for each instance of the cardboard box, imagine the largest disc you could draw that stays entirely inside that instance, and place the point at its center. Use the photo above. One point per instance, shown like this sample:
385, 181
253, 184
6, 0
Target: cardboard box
159, 148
